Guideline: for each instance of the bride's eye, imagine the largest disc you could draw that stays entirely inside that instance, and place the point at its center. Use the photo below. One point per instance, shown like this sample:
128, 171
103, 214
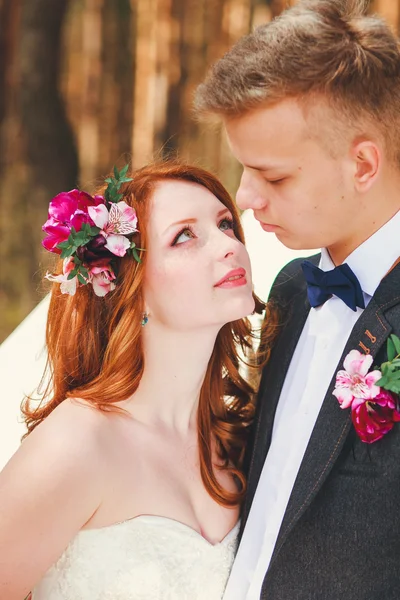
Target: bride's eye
184, 235
226, 224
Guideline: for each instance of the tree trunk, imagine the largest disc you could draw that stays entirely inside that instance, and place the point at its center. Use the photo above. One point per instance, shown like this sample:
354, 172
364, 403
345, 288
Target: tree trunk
50, 146
277, 6
89, 124
9, 23
124, 69
116, 111
177, 76
389, 10
38, 145
5, 58
145, 81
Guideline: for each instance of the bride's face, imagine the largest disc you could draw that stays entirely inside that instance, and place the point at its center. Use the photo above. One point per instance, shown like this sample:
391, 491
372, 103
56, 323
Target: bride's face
197, 272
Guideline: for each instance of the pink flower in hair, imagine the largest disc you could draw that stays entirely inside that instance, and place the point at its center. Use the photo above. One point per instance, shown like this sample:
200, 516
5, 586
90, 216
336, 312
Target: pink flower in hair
67, 210
102, 279
121, 220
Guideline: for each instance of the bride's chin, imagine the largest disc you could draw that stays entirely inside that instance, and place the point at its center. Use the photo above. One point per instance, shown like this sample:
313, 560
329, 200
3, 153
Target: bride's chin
243, 309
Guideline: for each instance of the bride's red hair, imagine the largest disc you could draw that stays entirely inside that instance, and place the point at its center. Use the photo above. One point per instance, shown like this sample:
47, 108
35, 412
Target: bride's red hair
95, 346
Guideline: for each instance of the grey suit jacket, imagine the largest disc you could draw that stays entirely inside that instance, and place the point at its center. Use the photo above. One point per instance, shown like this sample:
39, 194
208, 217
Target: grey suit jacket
340, 536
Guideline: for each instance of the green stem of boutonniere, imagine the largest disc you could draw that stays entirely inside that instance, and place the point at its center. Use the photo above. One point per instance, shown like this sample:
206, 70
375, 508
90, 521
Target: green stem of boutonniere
390, 379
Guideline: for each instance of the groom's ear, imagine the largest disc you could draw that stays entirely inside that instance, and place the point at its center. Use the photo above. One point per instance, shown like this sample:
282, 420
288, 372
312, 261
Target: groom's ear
366, 156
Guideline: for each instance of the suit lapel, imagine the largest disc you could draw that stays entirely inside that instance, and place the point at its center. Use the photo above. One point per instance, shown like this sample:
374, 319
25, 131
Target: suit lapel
271, 385
333, 424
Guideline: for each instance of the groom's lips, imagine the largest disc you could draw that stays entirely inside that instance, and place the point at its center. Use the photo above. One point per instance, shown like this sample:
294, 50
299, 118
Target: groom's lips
268, 226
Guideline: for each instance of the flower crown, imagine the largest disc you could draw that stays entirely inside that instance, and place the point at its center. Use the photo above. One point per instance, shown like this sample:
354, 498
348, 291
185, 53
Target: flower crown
90, 234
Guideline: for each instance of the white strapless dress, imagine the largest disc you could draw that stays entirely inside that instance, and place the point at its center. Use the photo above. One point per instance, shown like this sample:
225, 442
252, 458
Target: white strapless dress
145, 558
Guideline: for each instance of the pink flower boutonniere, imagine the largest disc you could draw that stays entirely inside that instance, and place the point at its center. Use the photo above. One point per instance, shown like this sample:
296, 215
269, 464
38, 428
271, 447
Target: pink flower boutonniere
373, 396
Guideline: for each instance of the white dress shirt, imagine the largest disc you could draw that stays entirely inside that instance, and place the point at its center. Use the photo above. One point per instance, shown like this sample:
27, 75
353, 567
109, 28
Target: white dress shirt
314, 361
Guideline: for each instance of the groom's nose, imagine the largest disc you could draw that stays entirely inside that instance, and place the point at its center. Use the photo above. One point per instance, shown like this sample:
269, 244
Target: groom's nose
247, 195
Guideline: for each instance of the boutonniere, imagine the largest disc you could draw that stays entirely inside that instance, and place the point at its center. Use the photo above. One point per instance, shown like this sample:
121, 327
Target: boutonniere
373, 396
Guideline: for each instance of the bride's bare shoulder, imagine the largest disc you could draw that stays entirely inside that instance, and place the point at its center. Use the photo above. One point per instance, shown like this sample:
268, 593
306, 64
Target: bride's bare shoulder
79, 411
74, 422
50, 487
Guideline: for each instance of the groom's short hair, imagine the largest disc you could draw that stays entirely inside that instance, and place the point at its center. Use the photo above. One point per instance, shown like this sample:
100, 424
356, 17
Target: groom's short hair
318, 49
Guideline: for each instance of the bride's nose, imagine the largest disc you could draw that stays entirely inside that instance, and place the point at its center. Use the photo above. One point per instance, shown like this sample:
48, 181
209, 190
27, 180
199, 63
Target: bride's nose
229, 246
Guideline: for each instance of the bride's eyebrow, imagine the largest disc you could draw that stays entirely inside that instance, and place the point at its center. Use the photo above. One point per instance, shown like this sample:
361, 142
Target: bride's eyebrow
194, 220
181, 222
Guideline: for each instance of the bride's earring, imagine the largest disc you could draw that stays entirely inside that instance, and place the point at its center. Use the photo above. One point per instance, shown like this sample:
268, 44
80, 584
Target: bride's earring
145, 319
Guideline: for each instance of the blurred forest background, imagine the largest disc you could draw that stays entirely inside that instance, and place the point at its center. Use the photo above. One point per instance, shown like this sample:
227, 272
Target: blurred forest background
88, 83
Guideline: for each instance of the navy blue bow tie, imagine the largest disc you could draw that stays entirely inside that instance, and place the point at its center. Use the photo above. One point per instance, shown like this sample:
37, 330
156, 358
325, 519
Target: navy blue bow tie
340, 282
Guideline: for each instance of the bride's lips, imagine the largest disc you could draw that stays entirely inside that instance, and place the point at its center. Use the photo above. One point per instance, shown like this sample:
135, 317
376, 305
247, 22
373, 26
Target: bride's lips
234, 278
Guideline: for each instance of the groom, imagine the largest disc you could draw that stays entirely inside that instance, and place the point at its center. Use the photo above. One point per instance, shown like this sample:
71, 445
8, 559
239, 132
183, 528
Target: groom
311, 107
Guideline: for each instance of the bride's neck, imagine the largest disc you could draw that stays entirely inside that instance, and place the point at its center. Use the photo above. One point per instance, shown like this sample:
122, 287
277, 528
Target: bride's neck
175, 364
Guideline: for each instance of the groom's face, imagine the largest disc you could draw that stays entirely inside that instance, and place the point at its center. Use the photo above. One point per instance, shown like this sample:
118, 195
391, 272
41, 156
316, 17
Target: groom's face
298, 189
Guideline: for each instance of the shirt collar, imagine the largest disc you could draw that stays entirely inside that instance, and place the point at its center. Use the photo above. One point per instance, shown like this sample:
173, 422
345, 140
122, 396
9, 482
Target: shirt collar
371, 261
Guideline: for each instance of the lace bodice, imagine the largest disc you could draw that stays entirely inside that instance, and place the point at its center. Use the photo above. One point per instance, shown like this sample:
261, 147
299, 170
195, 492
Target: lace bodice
145, 558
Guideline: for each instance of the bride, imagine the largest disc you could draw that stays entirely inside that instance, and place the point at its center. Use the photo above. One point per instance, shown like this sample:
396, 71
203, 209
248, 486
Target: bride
129, 482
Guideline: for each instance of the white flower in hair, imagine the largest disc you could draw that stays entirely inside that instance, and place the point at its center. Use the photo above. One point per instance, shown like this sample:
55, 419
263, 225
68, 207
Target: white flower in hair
68, 286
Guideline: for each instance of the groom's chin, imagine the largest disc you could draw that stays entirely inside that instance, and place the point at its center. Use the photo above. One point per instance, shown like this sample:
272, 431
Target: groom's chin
293, 243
